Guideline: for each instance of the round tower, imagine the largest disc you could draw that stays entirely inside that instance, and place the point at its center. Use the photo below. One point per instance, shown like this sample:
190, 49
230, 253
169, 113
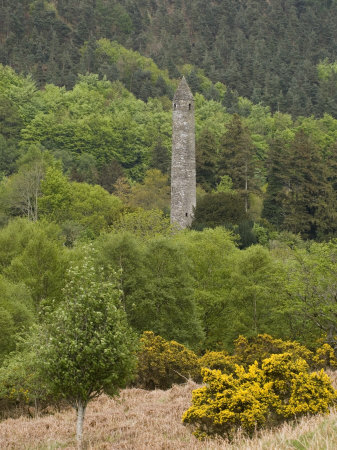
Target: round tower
183, 178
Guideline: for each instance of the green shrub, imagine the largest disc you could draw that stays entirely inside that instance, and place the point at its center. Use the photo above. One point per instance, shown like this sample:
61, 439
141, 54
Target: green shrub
21, 386
251, 398
162, 363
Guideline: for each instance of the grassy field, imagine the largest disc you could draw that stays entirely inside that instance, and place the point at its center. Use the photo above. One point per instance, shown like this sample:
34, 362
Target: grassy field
140, 420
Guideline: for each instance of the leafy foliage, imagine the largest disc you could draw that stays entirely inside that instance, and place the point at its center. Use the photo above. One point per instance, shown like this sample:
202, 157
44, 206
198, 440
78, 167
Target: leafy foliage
16, 315
21, 383
144, 223
156, 285
85, 346
33, 254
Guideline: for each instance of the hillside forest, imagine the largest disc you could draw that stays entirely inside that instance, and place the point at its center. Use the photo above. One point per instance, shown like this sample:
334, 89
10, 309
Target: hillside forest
86, 92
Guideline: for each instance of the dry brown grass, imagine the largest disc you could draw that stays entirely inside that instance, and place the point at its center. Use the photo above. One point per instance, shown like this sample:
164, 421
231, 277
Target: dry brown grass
140, 420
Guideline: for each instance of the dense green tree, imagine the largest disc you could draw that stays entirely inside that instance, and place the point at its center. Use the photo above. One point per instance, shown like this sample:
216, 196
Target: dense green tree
277, 167
219, 209
85, 169
125, 253
237, 290
145, 223
156, 286
206, 158
56, 196
326, 210
16, 315
22, 190
211, 254
10, 126
85, 347
41, 266
304, 184
327, 90
310, 289
93, 207
109, 174
153, 193
171, 307
160, 157
33, 254
236, 157
253, 296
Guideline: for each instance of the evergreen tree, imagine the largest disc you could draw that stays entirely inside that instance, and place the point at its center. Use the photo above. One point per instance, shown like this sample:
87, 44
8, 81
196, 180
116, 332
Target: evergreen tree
219, 209
277, 169
161, 159
206, 157
236, 157
304, 184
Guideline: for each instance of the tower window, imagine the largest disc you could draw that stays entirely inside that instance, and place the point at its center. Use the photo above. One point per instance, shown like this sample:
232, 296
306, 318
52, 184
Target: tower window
186, 214
175, 106
189, 106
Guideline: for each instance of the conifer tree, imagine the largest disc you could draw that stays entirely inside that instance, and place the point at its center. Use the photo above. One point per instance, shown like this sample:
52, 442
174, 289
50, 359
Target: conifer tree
304, 185
276, 175
236, 157
206, 155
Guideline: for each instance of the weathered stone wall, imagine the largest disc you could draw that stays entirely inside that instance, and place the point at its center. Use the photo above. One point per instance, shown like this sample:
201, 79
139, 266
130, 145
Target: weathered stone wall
183, 176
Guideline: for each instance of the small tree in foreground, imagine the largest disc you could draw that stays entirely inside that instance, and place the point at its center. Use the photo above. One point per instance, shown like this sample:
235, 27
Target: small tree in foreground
86, 346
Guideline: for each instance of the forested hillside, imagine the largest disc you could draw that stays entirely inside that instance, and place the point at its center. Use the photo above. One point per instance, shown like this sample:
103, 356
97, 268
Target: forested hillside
280, 53
252, 167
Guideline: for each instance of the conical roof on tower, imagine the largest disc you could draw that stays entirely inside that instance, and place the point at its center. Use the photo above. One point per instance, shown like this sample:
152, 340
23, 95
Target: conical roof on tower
183, 92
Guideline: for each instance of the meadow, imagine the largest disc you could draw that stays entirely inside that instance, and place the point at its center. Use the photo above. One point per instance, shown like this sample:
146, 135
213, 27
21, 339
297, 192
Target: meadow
140, 420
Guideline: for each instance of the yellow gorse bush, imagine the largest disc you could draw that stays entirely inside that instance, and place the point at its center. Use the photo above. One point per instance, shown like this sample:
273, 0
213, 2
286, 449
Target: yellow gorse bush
325, 357
262, 346
218, 360
162, 363
254, 397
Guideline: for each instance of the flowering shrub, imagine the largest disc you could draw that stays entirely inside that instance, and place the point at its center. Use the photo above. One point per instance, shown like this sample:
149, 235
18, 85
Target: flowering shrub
263, 346
325, 357
162, 363
250, 398
218, 360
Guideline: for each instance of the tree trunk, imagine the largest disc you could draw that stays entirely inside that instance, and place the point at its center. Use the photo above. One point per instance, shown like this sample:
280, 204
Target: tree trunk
255, 316
331, 340
246, 186
80, 419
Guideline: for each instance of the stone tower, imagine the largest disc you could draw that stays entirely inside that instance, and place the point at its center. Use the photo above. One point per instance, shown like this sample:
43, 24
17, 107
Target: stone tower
183, 178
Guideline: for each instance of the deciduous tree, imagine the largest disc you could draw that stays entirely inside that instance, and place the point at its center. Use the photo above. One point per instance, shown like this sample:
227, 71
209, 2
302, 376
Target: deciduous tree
86, 346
